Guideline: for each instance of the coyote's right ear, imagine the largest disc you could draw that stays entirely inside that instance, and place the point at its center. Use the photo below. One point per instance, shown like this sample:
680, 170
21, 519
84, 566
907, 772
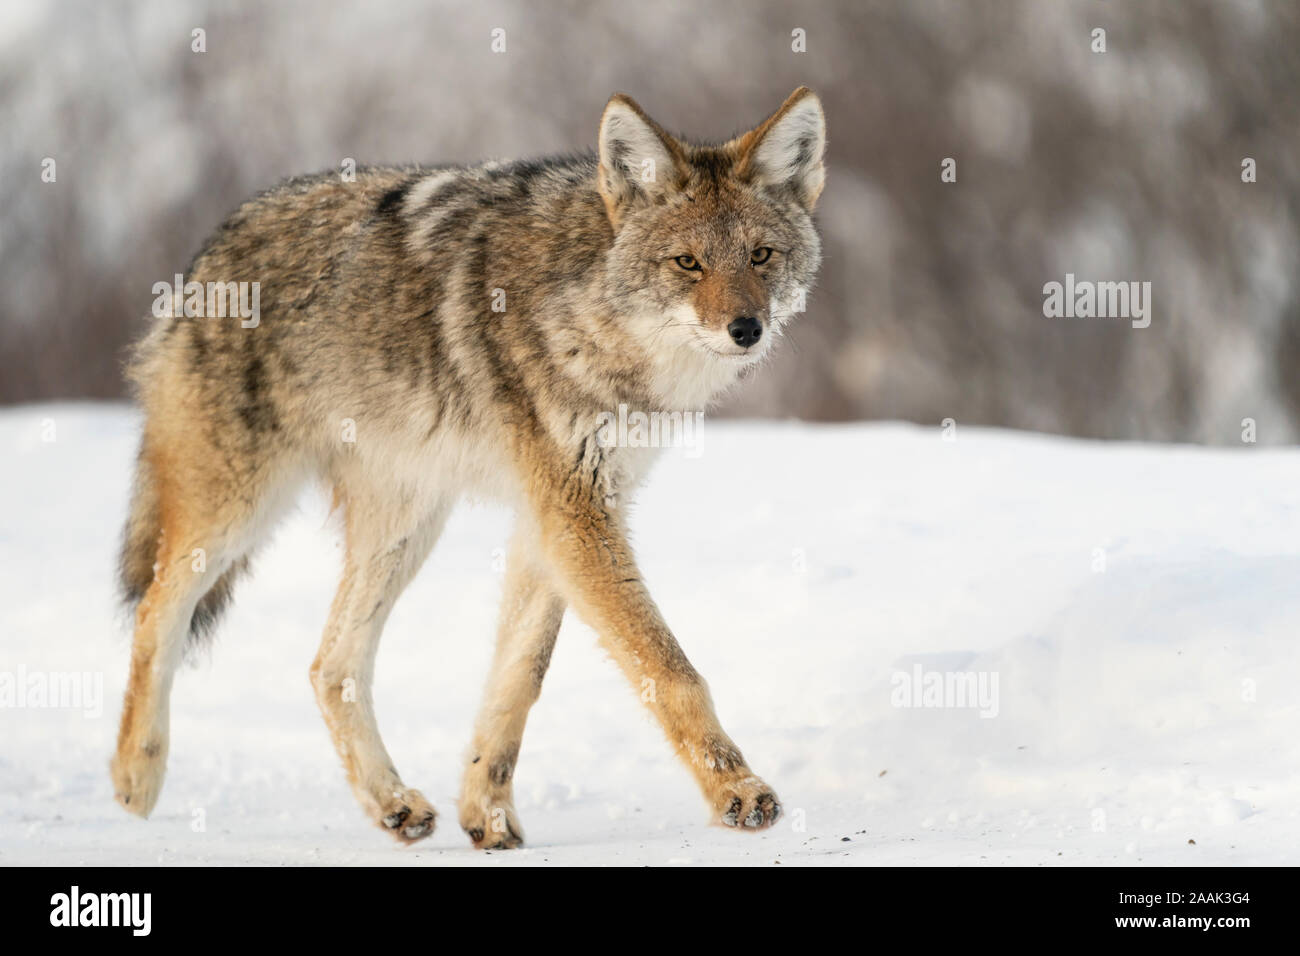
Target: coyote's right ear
638, 160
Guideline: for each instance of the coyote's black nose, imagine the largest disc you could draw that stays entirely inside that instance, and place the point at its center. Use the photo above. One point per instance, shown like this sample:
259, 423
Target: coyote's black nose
746, 331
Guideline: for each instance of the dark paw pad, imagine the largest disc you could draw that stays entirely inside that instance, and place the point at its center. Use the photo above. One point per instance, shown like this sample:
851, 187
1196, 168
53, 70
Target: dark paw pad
421, 828
732, 816
396, 819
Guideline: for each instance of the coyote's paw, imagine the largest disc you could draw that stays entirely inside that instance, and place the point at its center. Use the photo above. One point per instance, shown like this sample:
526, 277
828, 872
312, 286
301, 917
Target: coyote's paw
137, 773
747, 803
408, 816
491, 826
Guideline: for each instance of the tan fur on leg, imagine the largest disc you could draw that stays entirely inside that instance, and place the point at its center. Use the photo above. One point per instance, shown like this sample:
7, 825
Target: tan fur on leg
585, 542
143, 739
531, 612
199, 534
385, 548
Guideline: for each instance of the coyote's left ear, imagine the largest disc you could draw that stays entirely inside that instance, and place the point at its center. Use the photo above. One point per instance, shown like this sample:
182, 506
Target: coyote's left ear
786, 151
638, 159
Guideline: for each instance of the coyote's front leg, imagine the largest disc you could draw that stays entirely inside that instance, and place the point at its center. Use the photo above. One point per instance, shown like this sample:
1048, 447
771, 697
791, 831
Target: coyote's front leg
531, 612
584, 540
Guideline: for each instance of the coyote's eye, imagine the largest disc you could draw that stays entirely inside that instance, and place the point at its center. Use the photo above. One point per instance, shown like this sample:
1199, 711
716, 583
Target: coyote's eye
760, 255
689, 263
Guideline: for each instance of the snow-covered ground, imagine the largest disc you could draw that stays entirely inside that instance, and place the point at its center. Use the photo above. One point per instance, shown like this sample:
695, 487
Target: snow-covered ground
1138, 607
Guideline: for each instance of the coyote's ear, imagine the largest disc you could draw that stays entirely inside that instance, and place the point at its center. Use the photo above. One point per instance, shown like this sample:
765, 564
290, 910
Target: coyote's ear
637, 158
785, 152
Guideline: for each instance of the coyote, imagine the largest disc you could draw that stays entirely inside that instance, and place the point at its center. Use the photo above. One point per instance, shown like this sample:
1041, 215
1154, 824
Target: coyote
428, 333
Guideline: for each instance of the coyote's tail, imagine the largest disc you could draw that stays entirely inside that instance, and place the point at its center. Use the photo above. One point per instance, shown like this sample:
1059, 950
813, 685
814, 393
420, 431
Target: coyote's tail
140, 540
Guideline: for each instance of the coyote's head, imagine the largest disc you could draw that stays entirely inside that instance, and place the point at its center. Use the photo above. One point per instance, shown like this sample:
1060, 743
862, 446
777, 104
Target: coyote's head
714, 246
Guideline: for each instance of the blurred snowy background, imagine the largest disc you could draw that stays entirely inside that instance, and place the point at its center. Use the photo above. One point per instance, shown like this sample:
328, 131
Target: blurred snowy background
1117, 166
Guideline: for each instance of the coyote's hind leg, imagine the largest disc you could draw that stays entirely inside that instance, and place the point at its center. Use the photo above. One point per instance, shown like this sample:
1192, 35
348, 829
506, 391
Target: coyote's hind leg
385, 548
162, 621
531, 611
197, 534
